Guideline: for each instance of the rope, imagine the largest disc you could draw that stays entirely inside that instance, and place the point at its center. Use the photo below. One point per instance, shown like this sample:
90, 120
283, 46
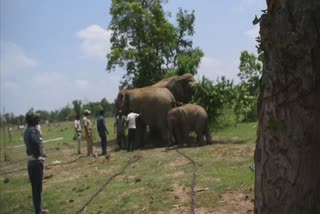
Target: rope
195, 174
106, 183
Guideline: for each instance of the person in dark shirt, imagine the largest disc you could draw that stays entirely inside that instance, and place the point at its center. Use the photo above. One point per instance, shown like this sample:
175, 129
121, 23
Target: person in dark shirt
36, 154
120, 126
103, 132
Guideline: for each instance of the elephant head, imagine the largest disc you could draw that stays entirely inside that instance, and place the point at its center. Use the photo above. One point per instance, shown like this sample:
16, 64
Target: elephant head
181, 87
122, 102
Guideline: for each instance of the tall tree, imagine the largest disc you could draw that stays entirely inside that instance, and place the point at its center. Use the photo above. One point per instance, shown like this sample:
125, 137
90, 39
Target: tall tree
287, 152
77, 106
146, 44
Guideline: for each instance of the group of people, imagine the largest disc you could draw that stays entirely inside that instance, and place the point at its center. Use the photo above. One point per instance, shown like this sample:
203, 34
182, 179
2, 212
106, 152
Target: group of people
120, 123
10, 132
88, 128
36, 152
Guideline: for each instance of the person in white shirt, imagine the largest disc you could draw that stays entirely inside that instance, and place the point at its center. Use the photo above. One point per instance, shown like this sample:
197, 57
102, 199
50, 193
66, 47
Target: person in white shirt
131, 119
77, 128
10, 133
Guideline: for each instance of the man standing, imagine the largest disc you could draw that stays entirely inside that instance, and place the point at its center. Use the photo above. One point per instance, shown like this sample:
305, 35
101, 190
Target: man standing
88, 130
77, 129
10, 133
102, 129
131, 119
35, 152
120, 123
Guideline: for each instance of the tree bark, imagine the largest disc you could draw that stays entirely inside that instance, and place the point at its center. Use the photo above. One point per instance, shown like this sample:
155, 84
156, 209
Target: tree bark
287, 155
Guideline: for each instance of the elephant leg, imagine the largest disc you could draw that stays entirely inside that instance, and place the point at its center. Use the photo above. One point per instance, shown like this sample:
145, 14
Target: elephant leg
179, 138
200, 137
164, 136
208, 136
141, 130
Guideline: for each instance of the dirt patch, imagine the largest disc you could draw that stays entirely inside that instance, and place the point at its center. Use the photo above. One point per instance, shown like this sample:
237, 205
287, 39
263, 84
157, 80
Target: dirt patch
179, 163
231, 202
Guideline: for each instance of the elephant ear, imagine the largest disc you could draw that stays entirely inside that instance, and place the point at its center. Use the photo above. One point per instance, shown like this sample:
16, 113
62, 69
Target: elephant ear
182, 87
122, 101
125, 103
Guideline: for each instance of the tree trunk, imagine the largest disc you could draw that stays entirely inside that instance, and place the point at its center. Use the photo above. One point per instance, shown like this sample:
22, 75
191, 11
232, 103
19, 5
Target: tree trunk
287, 155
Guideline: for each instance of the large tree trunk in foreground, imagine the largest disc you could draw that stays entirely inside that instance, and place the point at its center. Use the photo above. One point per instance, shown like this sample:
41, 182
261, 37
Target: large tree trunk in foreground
287, 155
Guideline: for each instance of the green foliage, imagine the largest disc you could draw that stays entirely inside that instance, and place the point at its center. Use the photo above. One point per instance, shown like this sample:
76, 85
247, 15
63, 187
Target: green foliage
245, 105
147, 45
247, 91
256, 20
189, 62
77, 106
213, 98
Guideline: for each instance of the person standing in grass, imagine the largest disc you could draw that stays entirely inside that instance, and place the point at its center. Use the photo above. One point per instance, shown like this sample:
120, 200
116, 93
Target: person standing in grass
120, 125
10, 133
35, 152
103, 132
88, 130
131, 119
77, 128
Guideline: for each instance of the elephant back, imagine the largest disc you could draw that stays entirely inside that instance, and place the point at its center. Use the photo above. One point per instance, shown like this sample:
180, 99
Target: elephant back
152, 103
180, 86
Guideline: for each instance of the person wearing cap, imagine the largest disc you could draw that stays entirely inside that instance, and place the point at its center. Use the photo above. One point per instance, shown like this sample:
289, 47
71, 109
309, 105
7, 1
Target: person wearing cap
77, 128
88, 130
35, 152
103, 132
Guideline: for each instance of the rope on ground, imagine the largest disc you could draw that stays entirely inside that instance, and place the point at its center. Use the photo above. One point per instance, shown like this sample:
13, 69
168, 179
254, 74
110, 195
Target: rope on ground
62, 163
131, 160
195, 174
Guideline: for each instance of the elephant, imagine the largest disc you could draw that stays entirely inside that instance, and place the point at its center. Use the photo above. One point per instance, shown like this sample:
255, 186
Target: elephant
180, 86
186, 118
153, 104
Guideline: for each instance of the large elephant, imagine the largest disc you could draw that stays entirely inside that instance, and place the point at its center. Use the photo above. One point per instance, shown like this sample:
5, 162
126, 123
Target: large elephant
153, 104
186, 118
180, 86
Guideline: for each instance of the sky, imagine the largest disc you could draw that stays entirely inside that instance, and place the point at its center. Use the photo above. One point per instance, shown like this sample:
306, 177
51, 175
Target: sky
53, 52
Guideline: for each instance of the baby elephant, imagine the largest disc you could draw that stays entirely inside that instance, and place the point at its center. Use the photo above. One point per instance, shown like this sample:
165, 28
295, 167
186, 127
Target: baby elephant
186, 118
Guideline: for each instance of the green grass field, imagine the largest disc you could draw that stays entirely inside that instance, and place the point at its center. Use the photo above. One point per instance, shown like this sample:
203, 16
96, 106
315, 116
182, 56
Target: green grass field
160, 182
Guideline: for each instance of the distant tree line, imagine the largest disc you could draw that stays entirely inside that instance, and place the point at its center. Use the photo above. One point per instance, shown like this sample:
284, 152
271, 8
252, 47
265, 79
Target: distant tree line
67, 113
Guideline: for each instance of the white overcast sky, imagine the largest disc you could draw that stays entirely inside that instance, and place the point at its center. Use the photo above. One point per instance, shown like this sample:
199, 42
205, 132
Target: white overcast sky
53, 52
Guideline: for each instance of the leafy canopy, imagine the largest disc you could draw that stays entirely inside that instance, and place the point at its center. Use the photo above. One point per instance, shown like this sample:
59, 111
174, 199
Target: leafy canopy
147, 45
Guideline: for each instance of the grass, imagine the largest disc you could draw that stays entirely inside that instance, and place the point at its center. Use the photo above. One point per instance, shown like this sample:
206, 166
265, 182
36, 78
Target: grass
160, 182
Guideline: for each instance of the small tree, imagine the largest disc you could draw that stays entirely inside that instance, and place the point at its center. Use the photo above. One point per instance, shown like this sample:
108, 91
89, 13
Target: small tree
247, 91
213, 97
77, 106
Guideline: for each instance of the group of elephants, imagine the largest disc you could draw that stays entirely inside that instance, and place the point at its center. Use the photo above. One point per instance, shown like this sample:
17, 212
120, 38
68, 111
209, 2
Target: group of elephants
157, 104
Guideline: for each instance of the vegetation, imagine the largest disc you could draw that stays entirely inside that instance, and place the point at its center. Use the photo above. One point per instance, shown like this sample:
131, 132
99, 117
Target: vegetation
218, 96
147, 45
159, 182
66, 113
247, 91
